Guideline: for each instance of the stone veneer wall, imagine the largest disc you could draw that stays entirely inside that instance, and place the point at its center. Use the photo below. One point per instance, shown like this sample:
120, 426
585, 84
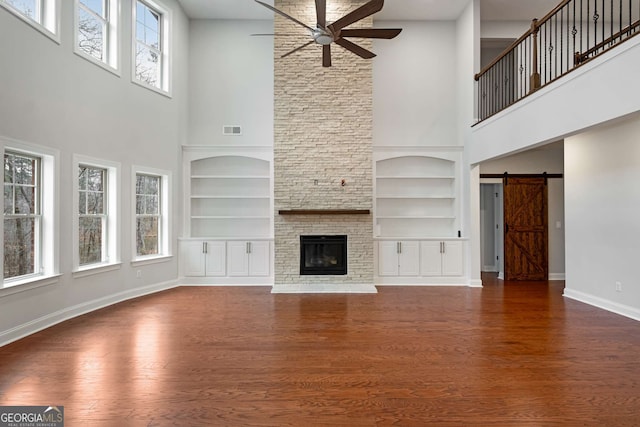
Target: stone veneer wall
323, 134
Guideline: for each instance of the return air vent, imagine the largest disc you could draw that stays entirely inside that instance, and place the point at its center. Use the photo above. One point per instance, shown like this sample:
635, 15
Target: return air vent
231, 130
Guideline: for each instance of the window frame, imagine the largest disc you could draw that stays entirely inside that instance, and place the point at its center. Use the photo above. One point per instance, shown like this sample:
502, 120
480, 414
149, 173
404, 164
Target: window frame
164, 86
47, 20
49, 209
111, 22
111, 227
164, 223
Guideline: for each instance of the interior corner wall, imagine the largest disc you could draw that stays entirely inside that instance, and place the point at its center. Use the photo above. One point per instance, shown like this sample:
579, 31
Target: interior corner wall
602, 207
51, 97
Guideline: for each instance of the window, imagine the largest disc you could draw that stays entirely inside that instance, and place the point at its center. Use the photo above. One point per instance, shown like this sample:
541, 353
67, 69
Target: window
152, 211
40, 14
151, 45
96, 31
30, 210
96, 222
22, 217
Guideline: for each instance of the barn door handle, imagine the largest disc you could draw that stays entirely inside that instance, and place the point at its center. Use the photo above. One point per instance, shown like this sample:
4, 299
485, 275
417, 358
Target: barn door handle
506, 228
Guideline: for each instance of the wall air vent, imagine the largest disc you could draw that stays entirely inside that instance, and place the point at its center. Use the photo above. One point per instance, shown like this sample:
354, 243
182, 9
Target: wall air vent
231, 130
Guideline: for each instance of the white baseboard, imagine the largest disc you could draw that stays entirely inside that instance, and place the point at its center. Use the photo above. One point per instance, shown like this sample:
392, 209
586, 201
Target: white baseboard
614, 307
475, 283
59, 316
226, 281
556, 276
325, 288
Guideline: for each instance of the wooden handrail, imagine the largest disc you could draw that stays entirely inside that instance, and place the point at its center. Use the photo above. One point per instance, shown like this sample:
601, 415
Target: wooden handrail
581, 57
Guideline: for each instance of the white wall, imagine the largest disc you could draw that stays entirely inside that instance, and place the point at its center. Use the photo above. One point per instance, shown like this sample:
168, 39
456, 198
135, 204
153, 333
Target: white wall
231, 82
415, 85
602, 169
548, 159
51, 97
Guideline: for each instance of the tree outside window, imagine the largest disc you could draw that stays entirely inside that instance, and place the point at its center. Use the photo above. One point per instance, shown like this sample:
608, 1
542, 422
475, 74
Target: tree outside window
21, 214
148, 216
92, 221
29, 8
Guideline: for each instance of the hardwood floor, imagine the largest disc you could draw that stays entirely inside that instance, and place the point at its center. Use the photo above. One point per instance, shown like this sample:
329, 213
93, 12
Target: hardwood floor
508, 354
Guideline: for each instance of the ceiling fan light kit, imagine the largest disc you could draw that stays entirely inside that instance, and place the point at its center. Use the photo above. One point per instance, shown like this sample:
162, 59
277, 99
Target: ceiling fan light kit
336, 32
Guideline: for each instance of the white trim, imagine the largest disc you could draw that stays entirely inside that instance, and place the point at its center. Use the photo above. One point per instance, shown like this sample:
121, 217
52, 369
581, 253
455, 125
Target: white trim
59, 316
93, 269
556, 276
164, 246
614, 307
27, 284
50, 25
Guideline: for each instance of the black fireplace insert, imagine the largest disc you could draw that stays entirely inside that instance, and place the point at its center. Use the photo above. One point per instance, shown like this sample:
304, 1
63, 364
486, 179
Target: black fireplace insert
323, 255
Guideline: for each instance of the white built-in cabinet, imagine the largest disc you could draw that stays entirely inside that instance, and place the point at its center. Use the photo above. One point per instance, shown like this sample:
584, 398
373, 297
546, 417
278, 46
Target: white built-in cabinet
417, 215
228, 225
399, 258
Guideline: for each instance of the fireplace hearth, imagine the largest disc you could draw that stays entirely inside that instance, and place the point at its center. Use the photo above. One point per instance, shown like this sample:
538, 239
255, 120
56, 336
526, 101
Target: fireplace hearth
323, 255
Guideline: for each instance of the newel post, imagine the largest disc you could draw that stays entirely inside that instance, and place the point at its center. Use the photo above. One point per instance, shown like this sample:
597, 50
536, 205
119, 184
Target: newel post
535, 76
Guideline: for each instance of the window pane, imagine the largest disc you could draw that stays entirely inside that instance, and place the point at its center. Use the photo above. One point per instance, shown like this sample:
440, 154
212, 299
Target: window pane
24, 170
151, 203
96, 6
91, 34
147, 65
25, 197
26, 7
147, 236
90, 240
153, 184
8, 168
95, 203
8, 199
140, 205
82, 202
19, 247
95, 179
82, 178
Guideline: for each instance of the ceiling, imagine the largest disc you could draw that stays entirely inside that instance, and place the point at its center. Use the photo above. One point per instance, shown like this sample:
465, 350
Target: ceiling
498, 10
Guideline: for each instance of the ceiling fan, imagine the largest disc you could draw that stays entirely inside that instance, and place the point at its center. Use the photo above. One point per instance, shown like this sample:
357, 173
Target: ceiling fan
336, 32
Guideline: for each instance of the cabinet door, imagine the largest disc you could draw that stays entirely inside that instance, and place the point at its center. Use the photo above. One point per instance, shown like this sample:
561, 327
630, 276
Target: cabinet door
259, 258
452, 259
431, 258
388, 258
238, 258
192, 262
409, 258
215, 258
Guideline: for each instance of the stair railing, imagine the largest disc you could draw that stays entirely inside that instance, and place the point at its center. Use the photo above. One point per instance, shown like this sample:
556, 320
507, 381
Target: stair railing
573, 33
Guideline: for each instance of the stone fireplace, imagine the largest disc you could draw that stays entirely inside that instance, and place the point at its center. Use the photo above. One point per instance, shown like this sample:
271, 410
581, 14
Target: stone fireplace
322, 153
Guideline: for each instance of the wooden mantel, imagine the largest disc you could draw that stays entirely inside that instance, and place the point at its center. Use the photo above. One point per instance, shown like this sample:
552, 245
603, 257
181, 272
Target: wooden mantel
325, 212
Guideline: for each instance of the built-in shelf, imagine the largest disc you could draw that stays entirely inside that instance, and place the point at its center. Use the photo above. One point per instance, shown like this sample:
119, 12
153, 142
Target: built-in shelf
324, 212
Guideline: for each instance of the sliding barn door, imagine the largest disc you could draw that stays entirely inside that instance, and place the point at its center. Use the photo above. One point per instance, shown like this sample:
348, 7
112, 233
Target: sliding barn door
525, 229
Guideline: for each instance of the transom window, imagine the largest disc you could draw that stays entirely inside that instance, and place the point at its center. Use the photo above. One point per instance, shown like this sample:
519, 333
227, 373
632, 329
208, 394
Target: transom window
22, 215
148, 214
92, 211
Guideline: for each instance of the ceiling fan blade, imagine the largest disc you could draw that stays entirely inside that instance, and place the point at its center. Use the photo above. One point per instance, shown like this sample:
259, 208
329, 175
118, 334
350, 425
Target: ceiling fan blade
371, 33
362, 12
360, 51
297, 49
326, 55
279, 12
321, 13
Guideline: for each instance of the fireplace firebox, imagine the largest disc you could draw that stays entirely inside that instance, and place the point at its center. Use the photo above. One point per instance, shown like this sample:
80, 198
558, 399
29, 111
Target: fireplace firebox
323, 255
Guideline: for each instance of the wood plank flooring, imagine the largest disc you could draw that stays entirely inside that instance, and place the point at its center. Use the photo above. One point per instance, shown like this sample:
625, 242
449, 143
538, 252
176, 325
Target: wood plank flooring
509, 354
